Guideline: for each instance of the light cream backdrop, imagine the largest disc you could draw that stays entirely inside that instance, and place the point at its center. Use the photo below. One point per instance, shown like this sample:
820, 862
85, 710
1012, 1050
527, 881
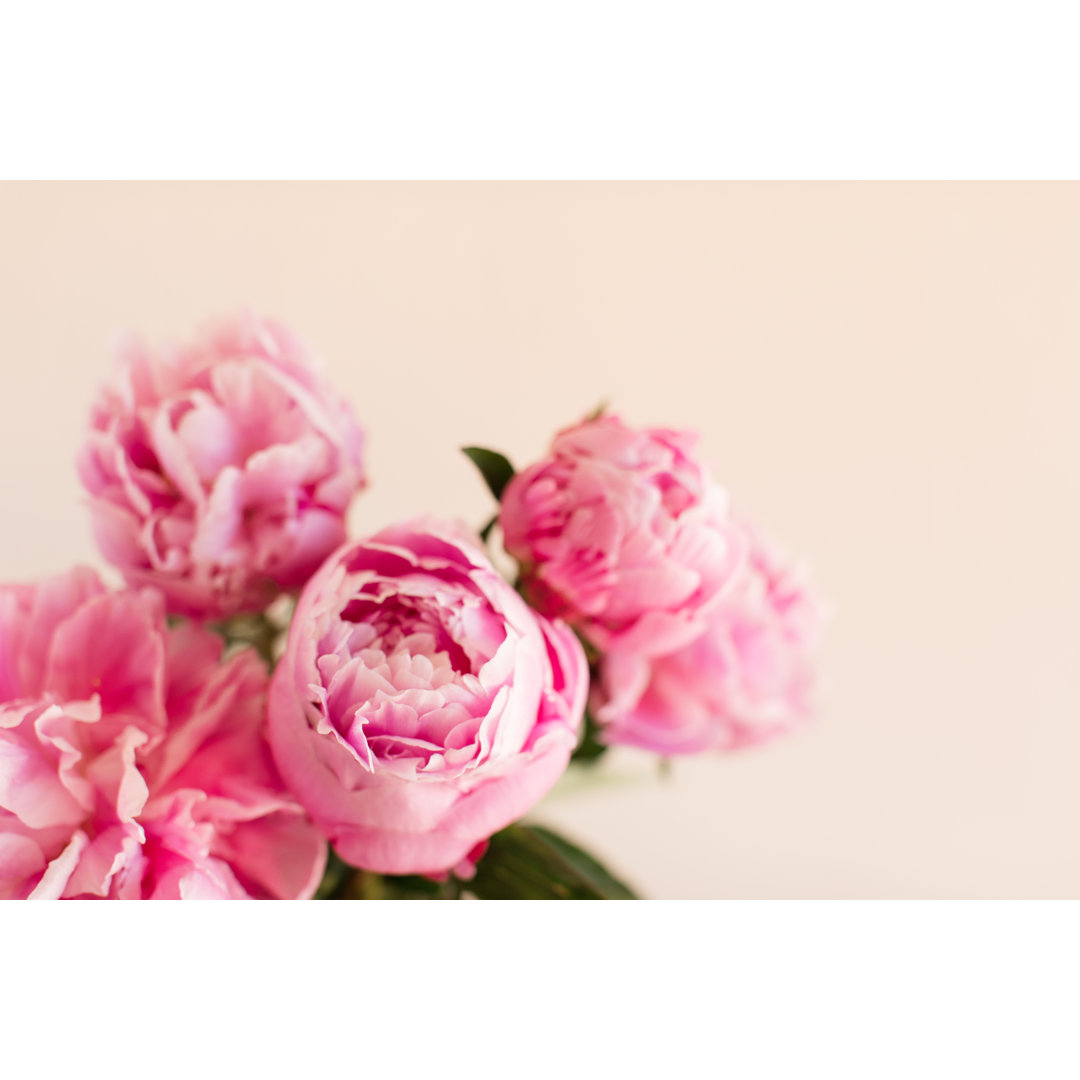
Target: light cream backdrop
887, 376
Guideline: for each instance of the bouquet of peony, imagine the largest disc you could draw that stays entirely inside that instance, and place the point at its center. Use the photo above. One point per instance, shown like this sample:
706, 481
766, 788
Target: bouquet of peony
271, 709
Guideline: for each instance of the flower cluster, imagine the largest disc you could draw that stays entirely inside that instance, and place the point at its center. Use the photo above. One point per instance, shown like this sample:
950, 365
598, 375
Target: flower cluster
135, 763
705, 639
418, 705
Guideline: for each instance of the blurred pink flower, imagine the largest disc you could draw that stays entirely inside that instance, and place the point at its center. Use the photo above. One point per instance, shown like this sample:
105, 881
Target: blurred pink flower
420, 705
746, 679
133, 761
220, 472
622, 533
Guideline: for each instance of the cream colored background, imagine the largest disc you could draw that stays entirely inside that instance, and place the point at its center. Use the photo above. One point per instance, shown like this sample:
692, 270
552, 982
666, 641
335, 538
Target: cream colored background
887, 376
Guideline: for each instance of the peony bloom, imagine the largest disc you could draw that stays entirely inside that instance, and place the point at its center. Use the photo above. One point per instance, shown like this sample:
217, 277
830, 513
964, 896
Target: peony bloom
220, 472
621, 532
133, 762
420, 705
746, 679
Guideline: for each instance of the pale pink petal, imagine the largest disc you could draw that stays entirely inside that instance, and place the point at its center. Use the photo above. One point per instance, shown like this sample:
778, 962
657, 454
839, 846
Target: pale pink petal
21, 864
59, 871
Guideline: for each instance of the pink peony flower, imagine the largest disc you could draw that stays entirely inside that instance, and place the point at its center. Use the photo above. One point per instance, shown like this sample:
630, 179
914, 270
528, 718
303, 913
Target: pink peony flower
746, 679
133, 762
420, 705
220, 472
621, 533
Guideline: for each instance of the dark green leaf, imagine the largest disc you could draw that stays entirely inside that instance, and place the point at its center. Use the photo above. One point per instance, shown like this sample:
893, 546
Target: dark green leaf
590, 749
523, 862
586, 866
528, 862
415, 887
334, 878
494, 468
485, 532
344, 882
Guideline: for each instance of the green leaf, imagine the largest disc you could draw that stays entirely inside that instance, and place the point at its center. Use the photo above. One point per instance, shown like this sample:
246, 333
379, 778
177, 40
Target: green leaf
344, 882
416, 887
334, 878
523, 862
528, 862
590, 749
494, 468
485, 532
